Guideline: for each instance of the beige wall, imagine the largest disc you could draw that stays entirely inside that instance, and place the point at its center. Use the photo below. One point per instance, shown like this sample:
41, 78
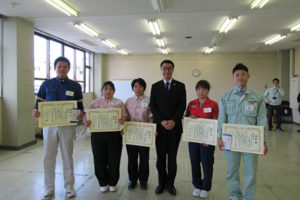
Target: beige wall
216, 68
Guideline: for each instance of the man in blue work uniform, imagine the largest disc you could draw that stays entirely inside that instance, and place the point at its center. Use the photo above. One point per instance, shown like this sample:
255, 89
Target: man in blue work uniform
241, 105
273, 97
59, 89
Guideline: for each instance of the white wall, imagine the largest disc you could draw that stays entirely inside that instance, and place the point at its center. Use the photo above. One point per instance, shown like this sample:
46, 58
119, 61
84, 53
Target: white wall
216, 68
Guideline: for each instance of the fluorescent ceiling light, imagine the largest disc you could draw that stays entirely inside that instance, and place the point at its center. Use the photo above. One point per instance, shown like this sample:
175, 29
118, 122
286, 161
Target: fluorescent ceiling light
85, 28
153, 24
296, 28
63, 7
108, 43
160, 42
122, 51
229, 22
274, 39
158, 5
258, 3
164, 51
208, 50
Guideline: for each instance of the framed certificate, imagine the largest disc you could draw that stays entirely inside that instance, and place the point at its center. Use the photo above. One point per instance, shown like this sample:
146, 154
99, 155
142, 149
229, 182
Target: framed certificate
245, 138
200, 130
139, 133
104, 119
56, 113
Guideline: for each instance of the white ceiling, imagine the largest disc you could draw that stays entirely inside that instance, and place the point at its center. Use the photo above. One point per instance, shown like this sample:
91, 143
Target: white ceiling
125, 23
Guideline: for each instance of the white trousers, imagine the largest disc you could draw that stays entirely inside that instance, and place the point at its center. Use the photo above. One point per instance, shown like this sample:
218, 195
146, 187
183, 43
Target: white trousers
64, 137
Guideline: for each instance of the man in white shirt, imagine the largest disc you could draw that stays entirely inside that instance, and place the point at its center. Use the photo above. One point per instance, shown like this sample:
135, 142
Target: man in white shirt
273, 97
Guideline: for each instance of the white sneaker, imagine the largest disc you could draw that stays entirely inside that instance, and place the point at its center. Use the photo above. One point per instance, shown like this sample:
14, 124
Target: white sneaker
71, 193
103, 189
203, 194
112, 188
196, 192
48, 196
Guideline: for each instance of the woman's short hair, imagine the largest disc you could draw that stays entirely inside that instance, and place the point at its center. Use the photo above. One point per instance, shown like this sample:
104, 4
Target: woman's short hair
111, 84
203, 84
139, 81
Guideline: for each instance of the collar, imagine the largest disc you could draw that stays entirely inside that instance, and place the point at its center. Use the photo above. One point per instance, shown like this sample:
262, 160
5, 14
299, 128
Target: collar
109, 99
139, 98
62, 80
207, 100
170, 81
241, 91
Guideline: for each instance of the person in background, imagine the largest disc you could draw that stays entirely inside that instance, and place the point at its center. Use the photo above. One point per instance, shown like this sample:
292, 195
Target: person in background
273, 97
138, 110
241, 105
107, 146
200, 153
60, 88
167, 103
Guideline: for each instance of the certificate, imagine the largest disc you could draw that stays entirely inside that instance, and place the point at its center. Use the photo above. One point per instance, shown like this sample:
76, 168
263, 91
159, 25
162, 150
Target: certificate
245, 138
139, 133
56, 113
104, 119
200, 130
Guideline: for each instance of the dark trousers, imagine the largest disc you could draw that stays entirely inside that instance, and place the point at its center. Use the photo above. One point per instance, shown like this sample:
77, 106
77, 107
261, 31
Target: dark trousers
205, 155
167, 143
271, 110
107, 149
136, 172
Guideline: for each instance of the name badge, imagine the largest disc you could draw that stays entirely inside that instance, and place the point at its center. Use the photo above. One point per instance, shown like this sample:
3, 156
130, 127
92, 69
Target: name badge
207, 110
250, 107
69, 93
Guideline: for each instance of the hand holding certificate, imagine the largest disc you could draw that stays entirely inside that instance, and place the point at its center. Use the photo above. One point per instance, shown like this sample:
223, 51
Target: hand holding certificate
200, 130
56, 113
104, 119
245, 138
139, 133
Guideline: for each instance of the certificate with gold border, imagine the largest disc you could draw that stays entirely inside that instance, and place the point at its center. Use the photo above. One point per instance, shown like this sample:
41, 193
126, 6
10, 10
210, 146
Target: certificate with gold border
245, 138
56, 113
200, 130
104, 119
139, 133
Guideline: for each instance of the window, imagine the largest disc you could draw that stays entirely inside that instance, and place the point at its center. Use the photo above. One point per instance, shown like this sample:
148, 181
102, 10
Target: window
47, 49
0, 57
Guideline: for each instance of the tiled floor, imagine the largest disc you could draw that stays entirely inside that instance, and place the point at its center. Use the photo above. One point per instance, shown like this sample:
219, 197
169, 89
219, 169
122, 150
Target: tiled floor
278, 175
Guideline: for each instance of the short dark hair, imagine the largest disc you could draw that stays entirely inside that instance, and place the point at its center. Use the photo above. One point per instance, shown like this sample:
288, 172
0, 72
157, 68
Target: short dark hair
275, 79
139, 81
202, 84
111, 84
168, 62
62, 58
240, 66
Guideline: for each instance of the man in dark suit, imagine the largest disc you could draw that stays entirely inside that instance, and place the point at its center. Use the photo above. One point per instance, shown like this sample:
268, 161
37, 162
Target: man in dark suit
167, 103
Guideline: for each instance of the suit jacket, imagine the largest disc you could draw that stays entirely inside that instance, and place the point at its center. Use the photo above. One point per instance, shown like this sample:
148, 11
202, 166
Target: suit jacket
168, 105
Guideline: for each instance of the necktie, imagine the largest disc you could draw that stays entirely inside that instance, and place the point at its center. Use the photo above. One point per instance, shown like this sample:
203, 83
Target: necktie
167, 85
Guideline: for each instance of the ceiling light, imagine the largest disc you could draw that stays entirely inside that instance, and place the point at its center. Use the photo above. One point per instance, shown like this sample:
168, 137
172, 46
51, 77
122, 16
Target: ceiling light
160, 42
63, 7
229, 22
258, 3
158, 5
108, 43
153, 24
296, 28
274, 39
122, 51
85, 28
208, 50
164, 51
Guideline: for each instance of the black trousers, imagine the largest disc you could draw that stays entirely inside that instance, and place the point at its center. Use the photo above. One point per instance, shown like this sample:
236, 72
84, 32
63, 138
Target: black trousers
167, 143
107, 149
271, 110
200, 154
138, 172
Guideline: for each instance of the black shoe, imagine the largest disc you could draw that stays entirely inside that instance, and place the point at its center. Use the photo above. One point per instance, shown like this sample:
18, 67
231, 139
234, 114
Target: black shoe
298, 131
171, 190
159, 189
131, 185
143, 185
